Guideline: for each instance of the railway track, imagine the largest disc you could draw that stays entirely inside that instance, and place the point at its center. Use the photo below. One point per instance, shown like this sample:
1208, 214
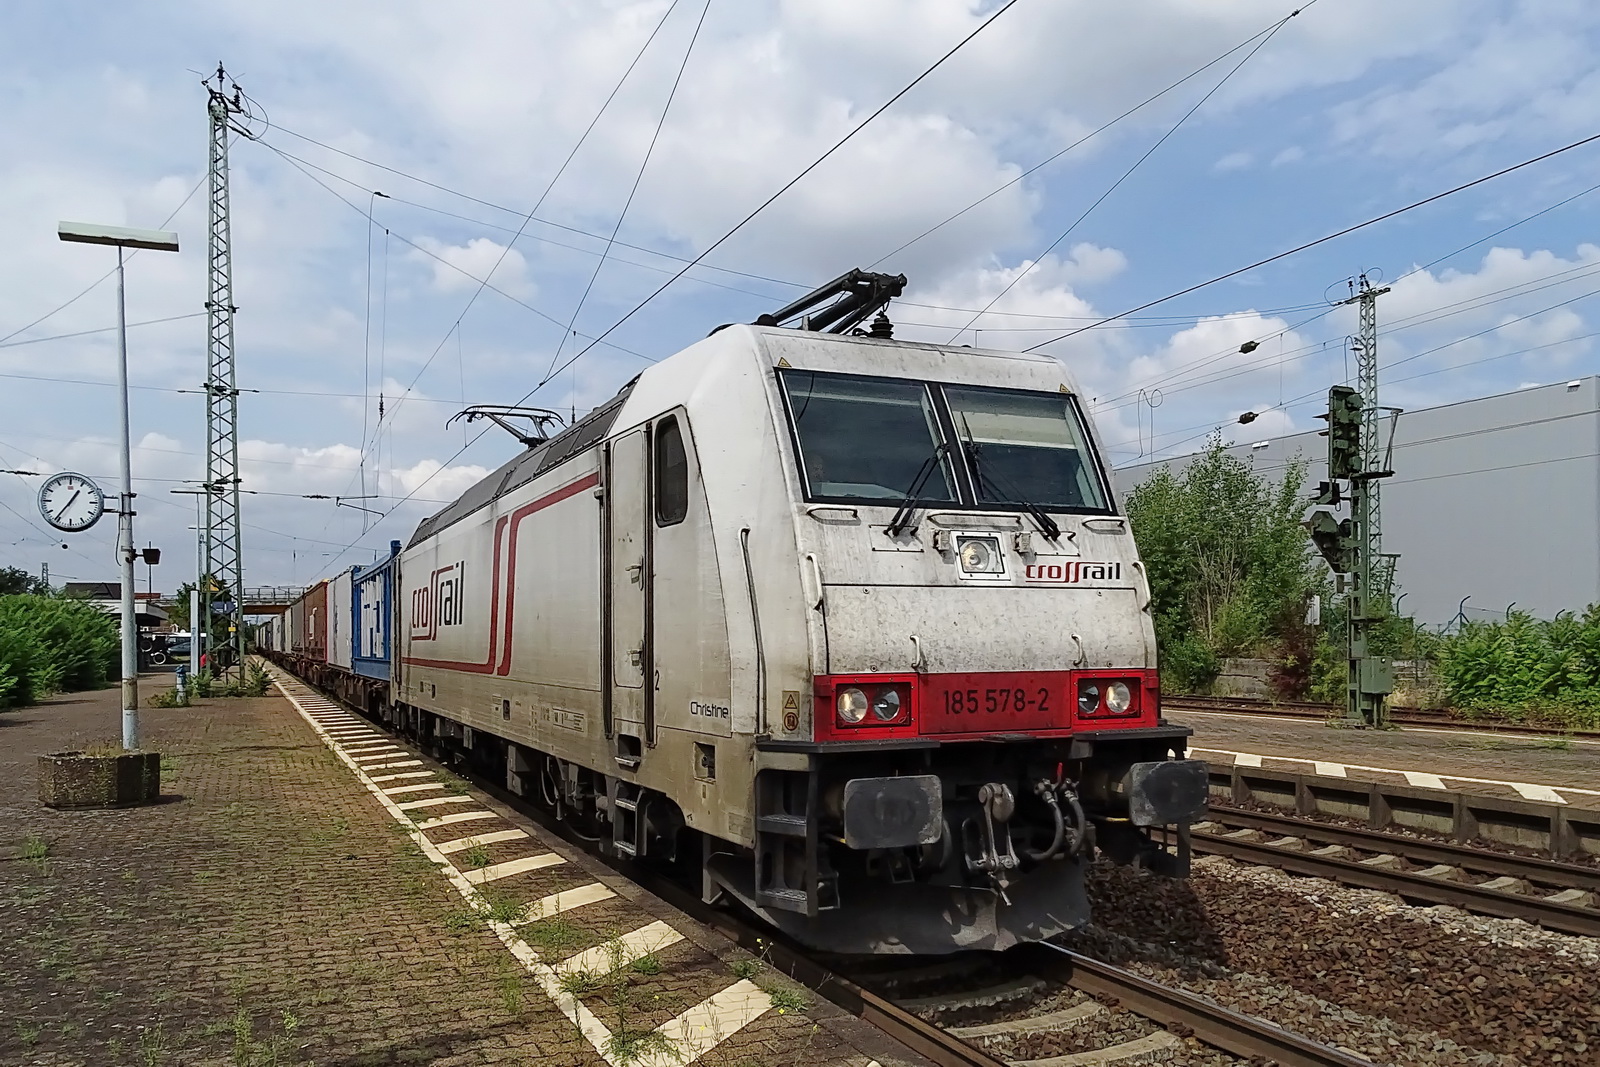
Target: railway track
1557, 896
1298, 709
1026, 993
1034, 968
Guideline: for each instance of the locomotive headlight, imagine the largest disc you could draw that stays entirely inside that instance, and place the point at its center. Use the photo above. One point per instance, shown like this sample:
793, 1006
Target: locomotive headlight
1088, 697
853, 705
980, 555
1118, 698
886, 708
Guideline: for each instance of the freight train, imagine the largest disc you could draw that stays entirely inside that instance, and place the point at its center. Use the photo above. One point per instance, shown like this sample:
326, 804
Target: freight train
851, 628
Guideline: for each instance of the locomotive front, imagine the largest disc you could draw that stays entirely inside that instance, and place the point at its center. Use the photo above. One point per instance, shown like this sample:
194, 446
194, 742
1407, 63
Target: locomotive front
983, 710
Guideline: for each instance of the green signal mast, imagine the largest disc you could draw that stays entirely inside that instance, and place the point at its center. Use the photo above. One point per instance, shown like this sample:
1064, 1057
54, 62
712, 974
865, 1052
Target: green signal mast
1351, 545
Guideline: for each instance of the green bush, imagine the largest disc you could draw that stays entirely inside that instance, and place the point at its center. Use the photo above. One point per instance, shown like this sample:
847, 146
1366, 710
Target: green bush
257, 682
1188, 665
49, 644
1230, 568
1526, 668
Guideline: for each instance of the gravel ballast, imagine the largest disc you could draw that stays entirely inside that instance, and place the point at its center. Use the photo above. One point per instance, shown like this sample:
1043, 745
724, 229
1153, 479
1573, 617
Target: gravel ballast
1355, 968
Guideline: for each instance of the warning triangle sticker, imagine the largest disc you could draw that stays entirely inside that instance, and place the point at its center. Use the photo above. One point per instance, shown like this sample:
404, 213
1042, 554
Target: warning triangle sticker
784, 363
791, 702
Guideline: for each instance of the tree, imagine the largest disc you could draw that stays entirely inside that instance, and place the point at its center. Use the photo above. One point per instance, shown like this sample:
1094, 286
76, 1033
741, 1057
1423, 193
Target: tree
1231, 570
14, 581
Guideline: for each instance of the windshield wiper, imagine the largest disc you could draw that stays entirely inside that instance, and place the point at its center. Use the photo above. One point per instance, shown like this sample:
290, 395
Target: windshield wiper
908, 504
974, 451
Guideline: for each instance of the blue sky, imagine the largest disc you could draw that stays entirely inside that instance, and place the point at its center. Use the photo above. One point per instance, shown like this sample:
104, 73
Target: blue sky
1351, 109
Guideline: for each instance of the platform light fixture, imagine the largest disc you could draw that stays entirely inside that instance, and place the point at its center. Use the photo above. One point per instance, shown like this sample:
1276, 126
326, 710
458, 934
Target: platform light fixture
122, 238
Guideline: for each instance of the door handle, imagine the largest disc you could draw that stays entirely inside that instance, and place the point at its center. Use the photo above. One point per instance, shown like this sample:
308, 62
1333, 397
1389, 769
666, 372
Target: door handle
636, 657
816, 574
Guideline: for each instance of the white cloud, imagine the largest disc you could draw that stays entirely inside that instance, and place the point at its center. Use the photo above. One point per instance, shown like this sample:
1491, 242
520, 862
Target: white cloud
1292, 154
465, 267
1233, 161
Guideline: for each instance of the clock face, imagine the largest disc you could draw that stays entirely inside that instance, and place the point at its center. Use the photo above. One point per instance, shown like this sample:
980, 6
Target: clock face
71, 502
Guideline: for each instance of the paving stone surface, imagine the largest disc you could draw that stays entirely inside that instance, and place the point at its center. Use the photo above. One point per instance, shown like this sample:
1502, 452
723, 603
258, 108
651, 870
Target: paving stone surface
272, 910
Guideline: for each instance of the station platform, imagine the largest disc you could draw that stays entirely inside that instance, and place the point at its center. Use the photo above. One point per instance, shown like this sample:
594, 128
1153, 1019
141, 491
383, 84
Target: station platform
308, 891
1498, 764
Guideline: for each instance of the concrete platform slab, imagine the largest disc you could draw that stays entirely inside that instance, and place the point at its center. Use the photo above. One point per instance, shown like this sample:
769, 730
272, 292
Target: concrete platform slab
1552, 770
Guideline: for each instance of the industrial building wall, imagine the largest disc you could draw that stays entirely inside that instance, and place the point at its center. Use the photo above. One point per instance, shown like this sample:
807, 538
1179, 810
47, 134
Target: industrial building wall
1495, 499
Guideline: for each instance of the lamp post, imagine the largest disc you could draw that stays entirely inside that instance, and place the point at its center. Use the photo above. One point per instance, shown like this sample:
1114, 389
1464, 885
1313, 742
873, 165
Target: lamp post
122, 238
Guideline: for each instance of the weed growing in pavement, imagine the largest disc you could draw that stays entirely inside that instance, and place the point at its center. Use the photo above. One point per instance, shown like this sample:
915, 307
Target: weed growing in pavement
454, 783
462, 920
152, 1045
629, 1045
291, 1022
505, 909
170, 698
746, 968
476, 856
35, 850
243, 1037
552, 936
581, 983
1555, 744
788, 1000
647, 964
28, 1033
511, 992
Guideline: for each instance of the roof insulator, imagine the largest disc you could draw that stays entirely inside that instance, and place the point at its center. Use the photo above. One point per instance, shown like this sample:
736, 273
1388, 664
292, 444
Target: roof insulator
881, 327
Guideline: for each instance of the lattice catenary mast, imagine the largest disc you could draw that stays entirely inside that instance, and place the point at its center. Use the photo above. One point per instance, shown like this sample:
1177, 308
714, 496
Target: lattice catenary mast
222, 582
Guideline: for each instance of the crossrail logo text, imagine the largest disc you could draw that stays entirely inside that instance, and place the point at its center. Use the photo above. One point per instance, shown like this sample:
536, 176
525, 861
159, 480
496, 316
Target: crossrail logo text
1072, 572
442, 602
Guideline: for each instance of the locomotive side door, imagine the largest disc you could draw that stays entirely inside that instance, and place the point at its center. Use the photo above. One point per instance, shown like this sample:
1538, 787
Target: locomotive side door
628, 699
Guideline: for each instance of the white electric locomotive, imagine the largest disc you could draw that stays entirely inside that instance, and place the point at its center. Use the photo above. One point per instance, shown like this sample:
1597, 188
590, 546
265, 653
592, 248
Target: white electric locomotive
854, 624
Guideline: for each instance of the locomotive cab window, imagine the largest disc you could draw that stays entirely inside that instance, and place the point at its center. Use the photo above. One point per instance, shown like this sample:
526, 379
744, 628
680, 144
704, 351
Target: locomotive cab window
868, 439
672, 473
1025, 448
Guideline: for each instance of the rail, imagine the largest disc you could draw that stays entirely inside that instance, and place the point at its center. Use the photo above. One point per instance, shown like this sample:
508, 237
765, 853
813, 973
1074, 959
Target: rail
1220, 1027
1509, 892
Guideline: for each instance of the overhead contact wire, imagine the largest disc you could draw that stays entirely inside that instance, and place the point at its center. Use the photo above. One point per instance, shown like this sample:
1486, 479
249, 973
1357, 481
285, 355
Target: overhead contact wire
790, 184
1321, 240
633, 191
1198, 104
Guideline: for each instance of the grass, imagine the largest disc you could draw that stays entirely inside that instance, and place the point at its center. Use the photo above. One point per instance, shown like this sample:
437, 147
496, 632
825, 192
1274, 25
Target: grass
552, 935
746, 969
511, 992
476, 856
1555, 744
647, 964
35, 850
152, 1046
